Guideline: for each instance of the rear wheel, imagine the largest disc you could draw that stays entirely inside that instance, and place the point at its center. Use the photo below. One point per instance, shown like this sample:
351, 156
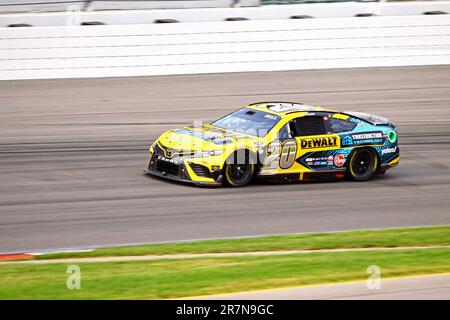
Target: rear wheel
362, 165
239, 169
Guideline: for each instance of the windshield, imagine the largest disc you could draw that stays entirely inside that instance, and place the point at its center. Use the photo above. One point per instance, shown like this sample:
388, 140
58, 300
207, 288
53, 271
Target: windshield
248, 121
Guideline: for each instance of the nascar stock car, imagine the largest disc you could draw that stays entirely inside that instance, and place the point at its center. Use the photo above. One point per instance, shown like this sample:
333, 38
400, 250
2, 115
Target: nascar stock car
280, 141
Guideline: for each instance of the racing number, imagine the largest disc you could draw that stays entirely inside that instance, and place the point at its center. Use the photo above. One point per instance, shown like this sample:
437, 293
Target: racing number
273, 155
281, 154
289, 150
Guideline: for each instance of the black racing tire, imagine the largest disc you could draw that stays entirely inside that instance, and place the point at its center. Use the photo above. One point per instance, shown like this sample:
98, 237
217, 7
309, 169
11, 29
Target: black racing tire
362, 165
239, 169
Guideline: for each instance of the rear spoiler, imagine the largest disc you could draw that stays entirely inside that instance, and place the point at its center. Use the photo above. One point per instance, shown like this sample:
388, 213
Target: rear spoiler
372, 119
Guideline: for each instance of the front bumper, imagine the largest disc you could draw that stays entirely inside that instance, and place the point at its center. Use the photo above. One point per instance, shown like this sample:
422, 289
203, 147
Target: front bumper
180, 173
180, 179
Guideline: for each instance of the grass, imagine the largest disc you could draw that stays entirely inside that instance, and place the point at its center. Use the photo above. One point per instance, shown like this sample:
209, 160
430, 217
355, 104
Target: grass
173, 278
421, 236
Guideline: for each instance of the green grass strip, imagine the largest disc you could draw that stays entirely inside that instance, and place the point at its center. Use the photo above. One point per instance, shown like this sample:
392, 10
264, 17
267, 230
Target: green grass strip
175, 278
421, 236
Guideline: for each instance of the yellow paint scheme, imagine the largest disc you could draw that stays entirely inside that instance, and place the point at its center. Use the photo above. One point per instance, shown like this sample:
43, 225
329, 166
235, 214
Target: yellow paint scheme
340, 116
176, 140
195, 177
395, 161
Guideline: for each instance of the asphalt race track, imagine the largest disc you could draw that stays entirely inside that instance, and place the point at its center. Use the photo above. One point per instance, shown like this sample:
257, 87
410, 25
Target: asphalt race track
72, 154
430, 287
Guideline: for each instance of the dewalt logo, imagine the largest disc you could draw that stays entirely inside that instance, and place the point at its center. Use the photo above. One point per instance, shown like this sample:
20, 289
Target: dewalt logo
313, 143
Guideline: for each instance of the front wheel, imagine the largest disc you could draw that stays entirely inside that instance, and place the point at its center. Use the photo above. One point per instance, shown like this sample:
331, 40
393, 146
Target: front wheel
362, 165
239, 170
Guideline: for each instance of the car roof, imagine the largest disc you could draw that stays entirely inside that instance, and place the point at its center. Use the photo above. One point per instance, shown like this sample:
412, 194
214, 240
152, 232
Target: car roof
282, 108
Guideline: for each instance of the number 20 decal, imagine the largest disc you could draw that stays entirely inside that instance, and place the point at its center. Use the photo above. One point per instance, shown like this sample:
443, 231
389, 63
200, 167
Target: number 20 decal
281, 154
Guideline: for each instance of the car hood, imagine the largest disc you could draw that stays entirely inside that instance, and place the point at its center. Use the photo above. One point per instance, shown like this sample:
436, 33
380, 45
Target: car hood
205, 137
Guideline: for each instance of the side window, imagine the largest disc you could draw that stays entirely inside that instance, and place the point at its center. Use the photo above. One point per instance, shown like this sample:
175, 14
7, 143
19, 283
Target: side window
308, 126
339, 125
284, 133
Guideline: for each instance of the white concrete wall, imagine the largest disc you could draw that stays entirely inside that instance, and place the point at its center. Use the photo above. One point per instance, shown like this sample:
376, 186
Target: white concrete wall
165, 4
319, 10
15, 6
209, 47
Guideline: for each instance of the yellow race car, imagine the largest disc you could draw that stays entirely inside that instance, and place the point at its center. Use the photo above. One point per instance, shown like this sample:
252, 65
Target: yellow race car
279, 141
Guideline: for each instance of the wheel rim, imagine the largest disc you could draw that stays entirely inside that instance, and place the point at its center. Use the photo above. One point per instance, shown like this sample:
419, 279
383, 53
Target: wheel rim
238, 172
362, 163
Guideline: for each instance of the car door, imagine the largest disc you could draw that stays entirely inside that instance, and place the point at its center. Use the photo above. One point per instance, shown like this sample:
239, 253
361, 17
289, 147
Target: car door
316, 145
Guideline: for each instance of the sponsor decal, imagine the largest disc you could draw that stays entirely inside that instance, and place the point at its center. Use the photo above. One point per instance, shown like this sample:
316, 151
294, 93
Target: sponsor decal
348, 141
339, 160
162, 158
375, 137
272, 117
311, 143
330, 160
388, 150
319, 161
367, 136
